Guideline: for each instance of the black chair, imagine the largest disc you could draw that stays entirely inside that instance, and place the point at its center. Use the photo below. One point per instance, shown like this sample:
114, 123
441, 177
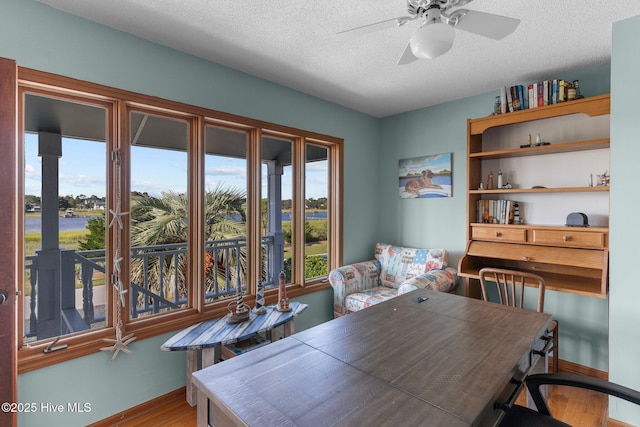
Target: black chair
519, 416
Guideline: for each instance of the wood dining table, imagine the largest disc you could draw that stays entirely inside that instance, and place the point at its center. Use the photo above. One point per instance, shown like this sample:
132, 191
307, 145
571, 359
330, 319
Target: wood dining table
421, 359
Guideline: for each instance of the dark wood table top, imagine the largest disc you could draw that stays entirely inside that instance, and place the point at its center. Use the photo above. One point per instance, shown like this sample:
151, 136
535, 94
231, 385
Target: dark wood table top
440, 362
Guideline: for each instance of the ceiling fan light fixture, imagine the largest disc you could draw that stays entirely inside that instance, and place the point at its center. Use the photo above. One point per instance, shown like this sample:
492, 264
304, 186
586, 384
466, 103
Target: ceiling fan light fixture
432, 40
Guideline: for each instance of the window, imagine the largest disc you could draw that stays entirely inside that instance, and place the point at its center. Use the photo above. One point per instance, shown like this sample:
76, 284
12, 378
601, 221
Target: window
316, 231
159, 227
64, 277
276, 221
225, 215
201, 202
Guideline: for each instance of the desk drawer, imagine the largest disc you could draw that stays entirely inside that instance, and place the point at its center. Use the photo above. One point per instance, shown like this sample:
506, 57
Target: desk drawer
569, 237
499, 234
573, 257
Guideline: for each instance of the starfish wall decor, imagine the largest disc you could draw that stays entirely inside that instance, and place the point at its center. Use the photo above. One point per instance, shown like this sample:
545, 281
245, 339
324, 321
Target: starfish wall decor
119, 343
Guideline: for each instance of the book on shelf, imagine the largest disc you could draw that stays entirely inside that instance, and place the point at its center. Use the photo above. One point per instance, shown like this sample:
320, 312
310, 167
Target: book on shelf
523, 94
534, 95
515, 97
509, 95
491, 211
545, 92
540, 86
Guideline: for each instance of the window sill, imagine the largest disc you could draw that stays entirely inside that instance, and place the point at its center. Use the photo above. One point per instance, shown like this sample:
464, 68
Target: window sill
32, 356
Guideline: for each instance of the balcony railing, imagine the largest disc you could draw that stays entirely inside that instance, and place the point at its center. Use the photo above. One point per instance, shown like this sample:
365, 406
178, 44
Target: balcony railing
157, 283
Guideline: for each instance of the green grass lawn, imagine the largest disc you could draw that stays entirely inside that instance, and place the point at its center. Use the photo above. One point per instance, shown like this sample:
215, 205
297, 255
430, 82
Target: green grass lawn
316, 248
68, 240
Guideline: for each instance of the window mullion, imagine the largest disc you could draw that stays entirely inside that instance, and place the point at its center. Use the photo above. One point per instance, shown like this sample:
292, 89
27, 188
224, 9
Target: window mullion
254, 244
335, 207
120, 187
298, 214
196, 239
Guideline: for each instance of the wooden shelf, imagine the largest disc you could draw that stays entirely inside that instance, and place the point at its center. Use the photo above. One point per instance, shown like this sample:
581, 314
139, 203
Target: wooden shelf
573, 260
592, 106
567, 147
542, 227
542, 190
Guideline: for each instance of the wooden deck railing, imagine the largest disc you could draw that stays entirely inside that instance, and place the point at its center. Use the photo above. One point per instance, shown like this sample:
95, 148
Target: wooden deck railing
157, 283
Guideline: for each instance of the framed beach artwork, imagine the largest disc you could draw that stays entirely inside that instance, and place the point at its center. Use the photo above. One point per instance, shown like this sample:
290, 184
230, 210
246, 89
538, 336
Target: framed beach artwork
425, 177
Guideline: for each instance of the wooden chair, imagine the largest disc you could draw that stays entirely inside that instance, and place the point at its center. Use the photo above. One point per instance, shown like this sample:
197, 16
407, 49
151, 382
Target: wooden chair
510, 285
519, 416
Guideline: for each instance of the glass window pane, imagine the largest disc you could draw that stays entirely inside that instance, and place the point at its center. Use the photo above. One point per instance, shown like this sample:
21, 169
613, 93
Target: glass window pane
276, 209
316, 208
225, 212
159, 207
64, 195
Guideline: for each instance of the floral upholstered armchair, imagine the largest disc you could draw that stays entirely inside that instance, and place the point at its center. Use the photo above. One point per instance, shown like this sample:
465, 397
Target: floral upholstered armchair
394, 271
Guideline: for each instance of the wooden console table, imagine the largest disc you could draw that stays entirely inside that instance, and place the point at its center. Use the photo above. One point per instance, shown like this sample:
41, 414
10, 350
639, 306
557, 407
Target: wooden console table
445, 360
203, 341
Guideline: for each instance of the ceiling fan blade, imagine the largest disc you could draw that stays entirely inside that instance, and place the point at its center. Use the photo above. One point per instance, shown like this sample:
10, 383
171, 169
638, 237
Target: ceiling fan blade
367, 29
407, 56
485, 24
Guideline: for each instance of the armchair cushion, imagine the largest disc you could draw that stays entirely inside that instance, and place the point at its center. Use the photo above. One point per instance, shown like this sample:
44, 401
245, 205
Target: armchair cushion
395, 270
437, 280
359, 300
399, 264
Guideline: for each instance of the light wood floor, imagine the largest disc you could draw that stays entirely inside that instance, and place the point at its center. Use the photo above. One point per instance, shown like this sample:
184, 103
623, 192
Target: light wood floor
175, 414
577, 407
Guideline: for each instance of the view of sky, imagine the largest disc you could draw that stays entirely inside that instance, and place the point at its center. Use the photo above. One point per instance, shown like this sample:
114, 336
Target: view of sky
82, 170
416, 165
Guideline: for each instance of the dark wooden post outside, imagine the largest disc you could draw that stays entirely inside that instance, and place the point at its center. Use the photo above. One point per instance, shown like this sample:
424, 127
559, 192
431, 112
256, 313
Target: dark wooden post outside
274, 207
49, 286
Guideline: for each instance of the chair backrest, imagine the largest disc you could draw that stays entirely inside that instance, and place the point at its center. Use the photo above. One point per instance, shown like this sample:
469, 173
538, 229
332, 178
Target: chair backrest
510, 285
518, 415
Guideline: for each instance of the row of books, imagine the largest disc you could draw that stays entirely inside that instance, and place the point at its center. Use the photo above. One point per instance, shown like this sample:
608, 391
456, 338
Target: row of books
495, 211
534, 95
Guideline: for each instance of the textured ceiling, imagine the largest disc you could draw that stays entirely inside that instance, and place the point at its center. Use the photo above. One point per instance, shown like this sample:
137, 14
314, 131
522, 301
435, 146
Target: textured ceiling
294, 43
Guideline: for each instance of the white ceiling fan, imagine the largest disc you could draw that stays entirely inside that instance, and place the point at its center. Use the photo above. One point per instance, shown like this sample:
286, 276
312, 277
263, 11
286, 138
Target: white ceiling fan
436, 34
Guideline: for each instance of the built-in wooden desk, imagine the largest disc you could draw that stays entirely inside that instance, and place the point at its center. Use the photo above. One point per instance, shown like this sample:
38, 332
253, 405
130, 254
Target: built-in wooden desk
442, 362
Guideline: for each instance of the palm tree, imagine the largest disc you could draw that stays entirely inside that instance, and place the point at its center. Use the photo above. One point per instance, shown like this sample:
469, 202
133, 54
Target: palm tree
163, 220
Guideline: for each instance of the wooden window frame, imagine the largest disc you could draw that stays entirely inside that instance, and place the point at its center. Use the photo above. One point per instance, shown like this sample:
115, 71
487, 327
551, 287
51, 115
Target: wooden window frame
121, 102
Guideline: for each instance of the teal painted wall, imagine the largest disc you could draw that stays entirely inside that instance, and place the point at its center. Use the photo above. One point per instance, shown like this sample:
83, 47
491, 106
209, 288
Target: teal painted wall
624, 295
43, 38
109, 387
441, 222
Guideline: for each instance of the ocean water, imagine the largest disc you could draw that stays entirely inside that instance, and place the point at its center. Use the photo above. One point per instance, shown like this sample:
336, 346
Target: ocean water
34, 224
